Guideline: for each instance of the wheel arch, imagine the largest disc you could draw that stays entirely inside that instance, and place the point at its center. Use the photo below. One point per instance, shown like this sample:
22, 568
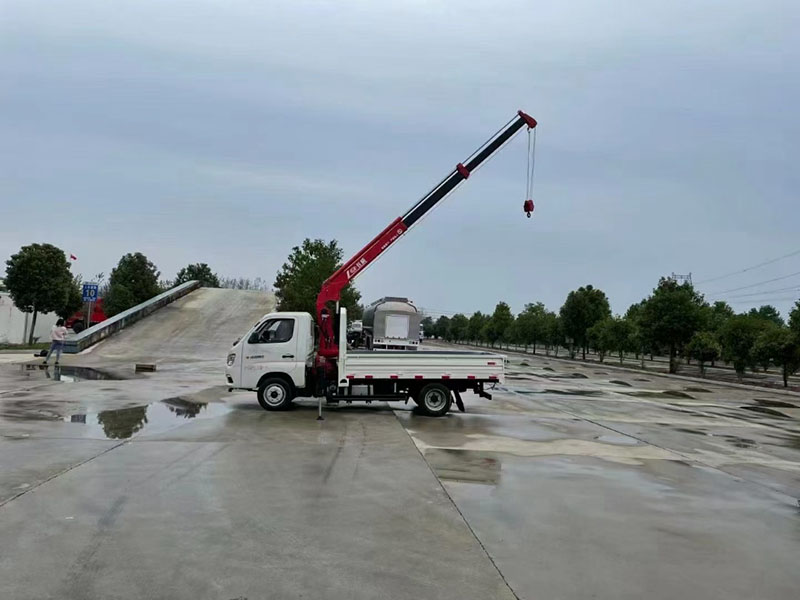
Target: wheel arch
277, 375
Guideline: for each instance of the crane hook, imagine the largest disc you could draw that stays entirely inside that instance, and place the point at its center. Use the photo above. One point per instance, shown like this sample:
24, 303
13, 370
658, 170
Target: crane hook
528, 207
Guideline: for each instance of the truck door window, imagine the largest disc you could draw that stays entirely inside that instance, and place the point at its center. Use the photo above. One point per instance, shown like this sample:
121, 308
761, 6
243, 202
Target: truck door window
273, 331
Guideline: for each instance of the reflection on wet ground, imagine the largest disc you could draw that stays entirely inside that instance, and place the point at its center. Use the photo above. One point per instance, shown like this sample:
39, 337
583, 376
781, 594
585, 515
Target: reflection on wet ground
620, 382
465, 465
65, 373
123, 423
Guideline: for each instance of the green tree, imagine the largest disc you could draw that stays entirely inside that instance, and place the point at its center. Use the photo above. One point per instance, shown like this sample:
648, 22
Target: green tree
583, 308
780, 346
428, 329
672, 315
442, 328
197, 272
794, 318
600, 337
738, 336
300, 279
704, 347
74, 299
718, 315
768, 313
477, 323
39, 280
495, 328
764, 346
530, 325
552, 332
621, 336
133, 281
459, 325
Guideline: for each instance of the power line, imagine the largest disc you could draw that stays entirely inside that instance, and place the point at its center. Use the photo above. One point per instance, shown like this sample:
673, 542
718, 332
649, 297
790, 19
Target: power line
772, 291
752, 285
758, 266
785, 299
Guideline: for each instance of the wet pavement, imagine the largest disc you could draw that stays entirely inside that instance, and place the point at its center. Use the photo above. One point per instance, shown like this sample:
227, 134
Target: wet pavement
574, 482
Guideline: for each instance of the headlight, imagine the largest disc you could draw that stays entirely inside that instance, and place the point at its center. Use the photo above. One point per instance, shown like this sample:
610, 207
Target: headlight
231, 359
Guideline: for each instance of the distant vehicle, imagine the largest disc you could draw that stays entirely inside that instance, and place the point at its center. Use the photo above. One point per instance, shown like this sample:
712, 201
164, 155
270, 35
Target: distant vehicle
391, 324
355, 333
78, 323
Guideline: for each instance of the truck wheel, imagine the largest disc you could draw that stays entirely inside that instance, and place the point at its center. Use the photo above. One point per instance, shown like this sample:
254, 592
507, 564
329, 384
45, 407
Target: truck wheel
275, 394
77, 327
434, 399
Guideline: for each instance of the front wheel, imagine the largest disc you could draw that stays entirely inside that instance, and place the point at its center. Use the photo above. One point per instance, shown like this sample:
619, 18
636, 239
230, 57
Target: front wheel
77, 327
275, 394
434, 399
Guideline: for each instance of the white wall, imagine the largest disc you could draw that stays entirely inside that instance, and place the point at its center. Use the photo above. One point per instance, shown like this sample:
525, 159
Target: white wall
13, 323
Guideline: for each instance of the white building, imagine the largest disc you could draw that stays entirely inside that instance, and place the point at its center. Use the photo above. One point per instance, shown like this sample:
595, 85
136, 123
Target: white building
15, 325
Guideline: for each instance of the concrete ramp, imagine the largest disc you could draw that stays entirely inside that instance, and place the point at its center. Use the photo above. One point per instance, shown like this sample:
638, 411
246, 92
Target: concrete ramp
197, 329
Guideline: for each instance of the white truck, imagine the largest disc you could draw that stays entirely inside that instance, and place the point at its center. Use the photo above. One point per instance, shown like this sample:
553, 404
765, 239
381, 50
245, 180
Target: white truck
276, 358
285, 355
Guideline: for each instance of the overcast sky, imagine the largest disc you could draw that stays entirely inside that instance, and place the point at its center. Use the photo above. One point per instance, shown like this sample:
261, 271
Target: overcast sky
226, 132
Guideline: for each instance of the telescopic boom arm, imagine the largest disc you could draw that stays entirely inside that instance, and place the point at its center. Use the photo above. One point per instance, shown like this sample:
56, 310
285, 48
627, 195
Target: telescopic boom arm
332, 288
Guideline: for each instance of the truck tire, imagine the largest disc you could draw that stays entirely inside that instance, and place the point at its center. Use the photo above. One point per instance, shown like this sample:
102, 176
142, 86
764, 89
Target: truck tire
275, 394
77, 327
434, 399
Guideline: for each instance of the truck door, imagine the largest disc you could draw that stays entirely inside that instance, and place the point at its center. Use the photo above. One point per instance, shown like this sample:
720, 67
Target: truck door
272, 348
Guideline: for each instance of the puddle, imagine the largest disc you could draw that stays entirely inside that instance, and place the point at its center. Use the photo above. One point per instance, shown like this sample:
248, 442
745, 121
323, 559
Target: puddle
767, 411
600, 373
548, 369
694, 431
620, 382
568, 376
123, 423
661, 394
464, 465
740, 442
69, 374
775, 403
524, 364
567, 392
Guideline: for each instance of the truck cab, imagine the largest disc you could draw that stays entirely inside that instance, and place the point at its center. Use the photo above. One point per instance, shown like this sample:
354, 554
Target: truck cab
279, 345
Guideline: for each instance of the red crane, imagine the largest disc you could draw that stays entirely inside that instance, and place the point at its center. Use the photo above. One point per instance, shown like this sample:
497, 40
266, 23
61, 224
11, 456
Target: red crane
332, 288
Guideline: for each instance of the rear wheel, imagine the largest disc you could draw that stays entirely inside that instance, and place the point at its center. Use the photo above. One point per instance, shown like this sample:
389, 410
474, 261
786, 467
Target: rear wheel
275, 394
434, 399
77, 327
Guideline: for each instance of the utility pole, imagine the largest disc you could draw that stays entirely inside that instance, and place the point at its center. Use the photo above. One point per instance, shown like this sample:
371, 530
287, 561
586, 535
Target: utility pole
681, 278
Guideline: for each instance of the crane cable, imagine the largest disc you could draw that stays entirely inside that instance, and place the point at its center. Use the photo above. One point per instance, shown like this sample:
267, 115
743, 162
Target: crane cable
531, 165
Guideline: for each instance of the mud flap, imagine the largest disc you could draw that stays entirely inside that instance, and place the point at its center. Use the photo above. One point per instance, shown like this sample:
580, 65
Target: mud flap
459, 401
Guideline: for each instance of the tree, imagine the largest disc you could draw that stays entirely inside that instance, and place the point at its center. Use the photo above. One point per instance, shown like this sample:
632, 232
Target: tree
477, 323
442, 327
39, 280
458, 327
620, 334
133, 281
599, 337
738, 336
718, 315
200, 272
583, 308
530, 325
495, 328
764, 346
74, 299
300, 279
767, 313
794, 318
552, 332
780, 346
672, 315
704, 347
428, 329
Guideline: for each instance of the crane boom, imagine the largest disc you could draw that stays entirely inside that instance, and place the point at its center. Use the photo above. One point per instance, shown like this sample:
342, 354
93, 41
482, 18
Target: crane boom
332, 287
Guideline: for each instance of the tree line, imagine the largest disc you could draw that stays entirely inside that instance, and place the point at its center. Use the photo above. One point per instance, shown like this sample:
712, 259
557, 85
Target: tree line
39, 279
674, 320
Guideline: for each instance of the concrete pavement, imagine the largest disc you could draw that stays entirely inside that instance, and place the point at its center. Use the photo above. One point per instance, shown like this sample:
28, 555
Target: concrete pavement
574, 482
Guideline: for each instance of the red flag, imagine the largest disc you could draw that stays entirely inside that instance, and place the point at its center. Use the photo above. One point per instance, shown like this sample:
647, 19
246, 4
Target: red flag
73, 257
